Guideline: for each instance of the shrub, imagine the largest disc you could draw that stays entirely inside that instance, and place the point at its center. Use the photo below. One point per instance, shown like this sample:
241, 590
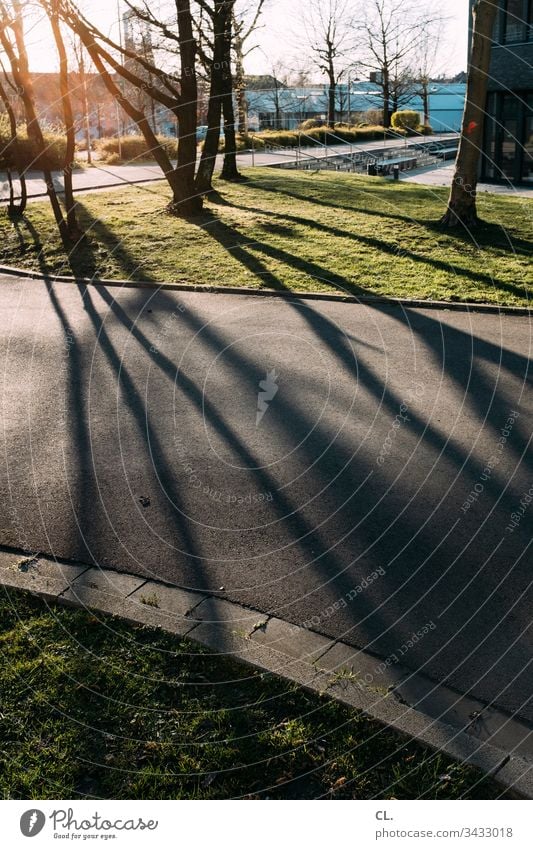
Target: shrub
53, 158
316, 135
311, 123
405, 119
133, 148
373, 117
426, 130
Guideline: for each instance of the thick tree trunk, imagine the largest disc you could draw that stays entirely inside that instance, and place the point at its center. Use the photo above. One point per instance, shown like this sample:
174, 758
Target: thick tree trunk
462, 210
74, 230
214, 110
229, 167
187, 201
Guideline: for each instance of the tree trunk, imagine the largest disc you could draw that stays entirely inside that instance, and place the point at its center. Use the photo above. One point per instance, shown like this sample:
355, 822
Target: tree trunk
331, 97
425, 101
85, 103
159, 153
240, 87
13, 209
214, 110
229, 168
462, 209
22, 78
74, 231
386, 101
187, 201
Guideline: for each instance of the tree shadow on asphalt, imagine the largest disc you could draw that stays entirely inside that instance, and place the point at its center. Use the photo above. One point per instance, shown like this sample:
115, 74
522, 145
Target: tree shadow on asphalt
411, 550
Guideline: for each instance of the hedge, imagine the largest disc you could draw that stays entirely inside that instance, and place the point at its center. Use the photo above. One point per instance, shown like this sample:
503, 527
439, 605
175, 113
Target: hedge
316, 135
133, 149
28, 159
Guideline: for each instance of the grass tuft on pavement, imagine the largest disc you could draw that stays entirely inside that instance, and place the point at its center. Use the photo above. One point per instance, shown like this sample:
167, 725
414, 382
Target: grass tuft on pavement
291, 230
94, 707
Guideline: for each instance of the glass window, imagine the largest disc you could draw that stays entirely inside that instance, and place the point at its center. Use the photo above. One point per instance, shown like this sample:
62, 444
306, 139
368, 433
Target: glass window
490, 146
527, 163
514, 21
510, 128
511, 105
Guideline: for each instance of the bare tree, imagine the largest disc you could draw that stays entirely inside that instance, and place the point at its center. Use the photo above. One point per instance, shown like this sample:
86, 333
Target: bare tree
178, 93
424, 68
12, 39
327, 24
78, 52
212, 27
391, 32
277, 97
245, 23
229, 166
12, 154
462, 210
51, 7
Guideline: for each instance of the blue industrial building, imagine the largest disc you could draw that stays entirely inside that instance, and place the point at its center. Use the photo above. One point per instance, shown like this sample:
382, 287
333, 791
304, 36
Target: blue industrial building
285, 108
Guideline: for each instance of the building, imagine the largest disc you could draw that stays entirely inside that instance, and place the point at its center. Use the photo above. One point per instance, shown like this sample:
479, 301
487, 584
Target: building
285, 108
508, 142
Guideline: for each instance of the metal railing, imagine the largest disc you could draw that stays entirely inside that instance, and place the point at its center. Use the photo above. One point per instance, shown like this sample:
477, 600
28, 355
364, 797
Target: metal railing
355, 158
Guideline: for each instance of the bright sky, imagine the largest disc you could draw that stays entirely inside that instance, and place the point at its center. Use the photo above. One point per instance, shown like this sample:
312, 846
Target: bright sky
277, 40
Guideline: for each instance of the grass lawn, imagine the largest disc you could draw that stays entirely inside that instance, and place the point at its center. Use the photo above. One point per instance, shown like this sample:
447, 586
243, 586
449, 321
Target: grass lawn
293, 230
95, 707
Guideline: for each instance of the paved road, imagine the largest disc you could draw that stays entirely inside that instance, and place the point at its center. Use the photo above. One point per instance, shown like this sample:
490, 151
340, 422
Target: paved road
106, 176
443, 176
131, 436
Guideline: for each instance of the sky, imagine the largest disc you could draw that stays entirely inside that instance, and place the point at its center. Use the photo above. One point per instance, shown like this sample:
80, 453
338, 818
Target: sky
279, 39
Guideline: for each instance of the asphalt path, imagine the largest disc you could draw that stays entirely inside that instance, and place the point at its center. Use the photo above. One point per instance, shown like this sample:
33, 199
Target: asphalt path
363, 470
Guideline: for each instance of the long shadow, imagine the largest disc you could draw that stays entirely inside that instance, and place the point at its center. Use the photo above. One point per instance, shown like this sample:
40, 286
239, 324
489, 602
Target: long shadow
486, 399
184, 539
330, 568
75, 411
487, 234
226, 236
86, 495
333, 561
378, 244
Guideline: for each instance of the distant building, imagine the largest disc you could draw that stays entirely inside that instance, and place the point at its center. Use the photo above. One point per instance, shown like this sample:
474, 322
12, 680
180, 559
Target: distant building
285, 108
508, 142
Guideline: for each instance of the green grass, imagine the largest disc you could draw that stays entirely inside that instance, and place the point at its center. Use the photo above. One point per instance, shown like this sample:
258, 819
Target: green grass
292, 230
92, 706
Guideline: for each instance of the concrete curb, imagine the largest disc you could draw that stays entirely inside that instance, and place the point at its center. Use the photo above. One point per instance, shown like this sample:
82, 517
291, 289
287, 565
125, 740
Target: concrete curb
464, 728
410, 303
